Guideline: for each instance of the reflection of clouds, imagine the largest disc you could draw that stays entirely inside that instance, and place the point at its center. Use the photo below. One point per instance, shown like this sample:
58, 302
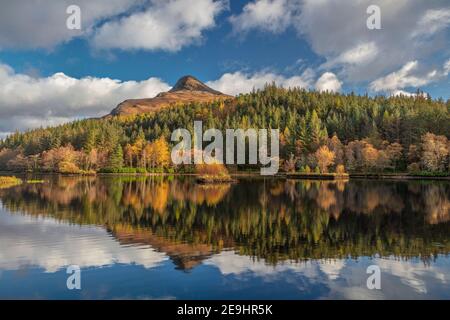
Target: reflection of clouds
332, 268
356, 293
228, 262
344, 279
412, 273
46, 243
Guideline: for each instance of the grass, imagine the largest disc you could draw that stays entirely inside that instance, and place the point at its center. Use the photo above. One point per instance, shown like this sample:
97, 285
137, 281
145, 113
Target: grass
316, 175
35, 181
8, 182
429, 174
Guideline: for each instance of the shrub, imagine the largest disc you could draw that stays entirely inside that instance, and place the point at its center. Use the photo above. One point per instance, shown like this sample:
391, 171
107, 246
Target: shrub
340, 169
414, 167
6, 182
68, 167
215, 169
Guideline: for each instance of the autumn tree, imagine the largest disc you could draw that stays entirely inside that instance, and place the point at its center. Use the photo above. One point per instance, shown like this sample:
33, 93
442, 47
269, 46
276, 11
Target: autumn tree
435, 152
335, 145
369, 156
289, 164
325, 158
394, 152
159, 153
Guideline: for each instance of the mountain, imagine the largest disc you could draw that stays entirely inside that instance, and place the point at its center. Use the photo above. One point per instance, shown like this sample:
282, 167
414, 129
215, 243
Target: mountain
187, 89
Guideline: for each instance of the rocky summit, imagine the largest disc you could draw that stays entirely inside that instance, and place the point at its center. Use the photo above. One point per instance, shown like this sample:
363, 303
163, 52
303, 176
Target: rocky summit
187, 89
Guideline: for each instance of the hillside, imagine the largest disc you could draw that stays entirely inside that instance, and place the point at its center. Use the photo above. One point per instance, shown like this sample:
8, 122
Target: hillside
187, 90
319, 131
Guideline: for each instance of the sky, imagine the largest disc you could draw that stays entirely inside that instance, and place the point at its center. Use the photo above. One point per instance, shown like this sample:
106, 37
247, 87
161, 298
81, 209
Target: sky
124, 49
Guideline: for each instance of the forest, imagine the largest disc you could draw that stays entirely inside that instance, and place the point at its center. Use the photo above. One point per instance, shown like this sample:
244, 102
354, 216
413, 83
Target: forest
319, 132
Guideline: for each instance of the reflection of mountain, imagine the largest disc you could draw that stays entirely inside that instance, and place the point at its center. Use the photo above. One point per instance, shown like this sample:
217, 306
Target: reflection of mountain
184, 255
274, 220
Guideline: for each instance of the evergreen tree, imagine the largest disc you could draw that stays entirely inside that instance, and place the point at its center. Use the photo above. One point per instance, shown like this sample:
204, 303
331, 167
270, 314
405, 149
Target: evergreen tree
116, 157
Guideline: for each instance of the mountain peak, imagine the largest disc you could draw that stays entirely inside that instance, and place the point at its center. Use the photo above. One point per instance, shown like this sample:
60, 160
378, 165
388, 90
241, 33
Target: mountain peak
188, 89
190, 83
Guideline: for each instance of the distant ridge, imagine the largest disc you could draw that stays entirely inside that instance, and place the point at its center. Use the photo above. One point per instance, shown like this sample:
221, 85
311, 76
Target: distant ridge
186, 90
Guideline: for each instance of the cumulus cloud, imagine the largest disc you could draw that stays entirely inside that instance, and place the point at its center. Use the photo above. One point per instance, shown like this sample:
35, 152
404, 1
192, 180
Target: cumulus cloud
42, 24
269, 15
328, 82
27, 102
377, 51
239, 82
361, 53
408, 76
166, 25
123, 24
336, 30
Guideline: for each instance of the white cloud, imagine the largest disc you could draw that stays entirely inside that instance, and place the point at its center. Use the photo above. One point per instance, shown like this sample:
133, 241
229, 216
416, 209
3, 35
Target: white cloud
42, 24
269, 15
360, 54
239, 82
432, 21
337, 31
328, 82
112, 24
166, 25
406, 93
27, 102
408, 76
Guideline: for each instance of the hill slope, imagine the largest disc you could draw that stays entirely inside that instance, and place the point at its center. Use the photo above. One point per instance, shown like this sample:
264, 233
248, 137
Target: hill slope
187, 89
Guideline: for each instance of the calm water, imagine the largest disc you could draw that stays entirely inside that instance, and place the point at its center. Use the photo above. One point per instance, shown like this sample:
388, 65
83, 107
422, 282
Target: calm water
162, 238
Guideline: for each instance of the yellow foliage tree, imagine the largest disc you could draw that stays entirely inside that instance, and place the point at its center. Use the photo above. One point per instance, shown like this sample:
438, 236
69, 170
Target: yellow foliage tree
157, 153
325, 158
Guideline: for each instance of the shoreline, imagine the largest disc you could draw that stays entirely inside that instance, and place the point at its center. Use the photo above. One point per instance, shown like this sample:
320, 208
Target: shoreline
256, 174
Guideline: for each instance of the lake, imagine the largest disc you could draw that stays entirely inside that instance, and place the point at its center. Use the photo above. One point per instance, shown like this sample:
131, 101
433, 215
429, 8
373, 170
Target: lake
170, 238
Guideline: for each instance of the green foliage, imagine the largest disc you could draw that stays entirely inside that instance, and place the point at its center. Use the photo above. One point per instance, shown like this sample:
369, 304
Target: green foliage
125, 170
116, 158
306, 120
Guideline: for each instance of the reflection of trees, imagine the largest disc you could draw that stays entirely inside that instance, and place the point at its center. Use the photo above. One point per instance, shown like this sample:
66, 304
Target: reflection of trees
271, 219
437, 204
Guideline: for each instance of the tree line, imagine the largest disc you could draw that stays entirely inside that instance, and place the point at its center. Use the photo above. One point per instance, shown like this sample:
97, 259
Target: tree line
319, 132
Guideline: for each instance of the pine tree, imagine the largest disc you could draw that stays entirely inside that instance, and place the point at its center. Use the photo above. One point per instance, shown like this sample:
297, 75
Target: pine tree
116, 157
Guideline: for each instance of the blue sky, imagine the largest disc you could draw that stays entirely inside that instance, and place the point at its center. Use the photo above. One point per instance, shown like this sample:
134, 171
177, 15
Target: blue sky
137, 48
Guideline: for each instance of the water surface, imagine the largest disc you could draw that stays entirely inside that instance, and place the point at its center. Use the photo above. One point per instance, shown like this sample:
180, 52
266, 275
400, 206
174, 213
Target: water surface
169, 238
